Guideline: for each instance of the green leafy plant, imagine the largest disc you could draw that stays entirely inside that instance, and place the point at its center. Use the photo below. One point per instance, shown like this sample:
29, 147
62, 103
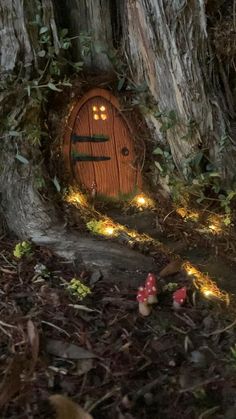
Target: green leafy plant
171, 286
22, 249
102, 227
78, 289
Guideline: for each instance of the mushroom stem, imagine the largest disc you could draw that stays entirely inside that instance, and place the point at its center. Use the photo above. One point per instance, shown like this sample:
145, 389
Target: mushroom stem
152, 299
144, 309
176, 305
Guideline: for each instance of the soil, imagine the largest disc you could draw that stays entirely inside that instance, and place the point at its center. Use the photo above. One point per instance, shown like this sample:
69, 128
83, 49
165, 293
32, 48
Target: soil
172, 364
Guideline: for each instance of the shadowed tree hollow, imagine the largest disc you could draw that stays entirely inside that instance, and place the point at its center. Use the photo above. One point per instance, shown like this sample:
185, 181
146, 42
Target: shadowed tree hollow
172, 48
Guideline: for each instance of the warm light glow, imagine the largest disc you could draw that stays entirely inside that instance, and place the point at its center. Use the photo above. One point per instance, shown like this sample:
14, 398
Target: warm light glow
98, 224
205, 284
189, 269
109, 231
103, 116
188, 214
182, 212
142, 201
207, 293
75, 197
215, 224
95, 109
96, 117
102, 108
215, 228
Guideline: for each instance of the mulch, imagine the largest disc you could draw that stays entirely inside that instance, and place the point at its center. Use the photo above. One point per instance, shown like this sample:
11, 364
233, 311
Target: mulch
102, 354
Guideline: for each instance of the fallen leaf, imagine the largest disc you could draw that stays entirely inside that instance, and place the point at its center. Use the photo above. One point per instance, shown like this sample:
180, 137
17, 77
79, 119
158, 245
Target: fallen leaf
172, 268
84, 366
11, 384
33, 337
67, 409
95, 277
68, 350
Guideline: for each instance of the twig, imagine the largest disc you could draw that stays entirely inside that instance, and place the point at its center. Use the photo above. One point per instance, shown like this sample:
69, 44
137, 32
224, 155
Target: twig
219, 331
148, 387
6, 260
186, 320
179, 330
102, 399
8, 325
5, 332
164, 219
208, 412
56, 327
202, 383
83, 308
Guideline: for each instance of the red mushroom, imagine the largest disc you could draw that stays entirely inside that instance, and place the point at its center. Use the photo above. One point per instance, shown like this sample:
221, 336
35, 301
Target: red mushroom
151, 288
179, 297
142, 298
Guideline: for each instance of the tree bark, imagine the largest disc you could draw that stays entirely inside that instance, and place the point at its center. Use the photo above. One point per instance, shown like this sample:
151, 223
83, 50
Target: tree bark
167, 45
27, 213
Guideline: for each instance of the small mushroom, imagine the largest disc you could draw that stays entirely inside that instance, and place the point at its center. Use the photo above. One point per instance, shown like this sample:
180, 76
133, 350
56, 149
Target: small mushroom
179, 297
142, 298
151, 288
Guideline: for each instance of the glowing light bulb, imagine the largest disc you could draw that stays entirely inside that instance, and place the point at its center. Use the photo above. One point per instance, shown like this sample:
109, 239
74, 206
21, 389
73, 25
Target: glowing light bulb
96, 117
190, 272
141, 200
103, 116
109, 231
95, 109
207, 293
102, 108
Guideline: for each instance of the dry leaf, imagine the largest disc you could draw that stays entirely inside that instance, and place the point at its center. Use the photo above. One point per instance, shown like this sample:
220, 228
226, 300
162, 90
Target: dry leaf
66, 409
68, 350
84, 366
11, 384
171, 269
33, 337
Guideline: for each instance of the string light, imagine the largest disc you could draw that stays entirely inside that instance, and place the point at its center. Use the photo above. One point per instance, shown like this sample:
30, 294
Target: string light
142, 201
207, 293
187, 214
107, 227
215, 225
109, 231
205, 284
76, 197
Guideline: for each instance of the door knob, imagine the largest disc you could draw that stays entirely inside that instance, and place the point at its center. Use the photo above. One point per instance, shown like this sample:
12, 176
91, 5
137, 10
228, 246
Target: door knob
125, 151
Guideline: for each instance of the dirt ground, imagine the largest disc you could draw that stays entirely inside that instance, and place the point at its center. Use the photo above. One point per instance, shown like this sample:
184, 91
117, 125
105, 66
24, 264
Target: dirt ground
101, 353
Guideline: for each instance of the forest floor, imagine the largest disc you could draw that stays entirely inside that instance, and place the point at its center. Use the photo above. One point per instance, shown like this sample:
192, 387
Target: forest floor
101, 353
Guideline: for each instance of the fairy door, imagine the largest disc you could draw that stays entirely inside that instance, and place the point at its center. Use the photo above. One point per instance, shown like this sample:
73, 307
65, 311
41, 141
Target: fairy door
101, 146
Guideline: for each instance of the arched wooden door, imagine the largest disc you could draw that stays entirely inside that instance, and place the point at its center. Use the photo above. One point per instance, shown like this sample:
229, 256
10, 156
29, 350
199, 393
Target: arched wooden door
99, 146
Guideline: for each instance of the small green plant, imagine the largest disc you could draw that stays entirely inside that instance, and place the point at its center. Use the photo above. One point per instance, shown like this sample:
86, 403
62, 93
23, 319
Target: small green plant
22, 249
103, 227
171, 286
78, 289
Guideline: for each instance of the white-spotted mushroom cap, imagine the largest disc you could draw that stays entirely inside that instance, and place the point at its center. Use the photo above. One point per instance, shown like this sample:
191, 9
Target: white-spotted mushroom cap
151, 284
180, 295
142, 295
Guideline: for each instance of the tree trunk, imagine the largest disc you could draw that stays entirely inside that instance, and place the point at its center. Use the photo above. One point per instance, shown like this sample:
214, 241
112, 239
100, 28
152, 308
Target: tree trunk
27, 213
166, 45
